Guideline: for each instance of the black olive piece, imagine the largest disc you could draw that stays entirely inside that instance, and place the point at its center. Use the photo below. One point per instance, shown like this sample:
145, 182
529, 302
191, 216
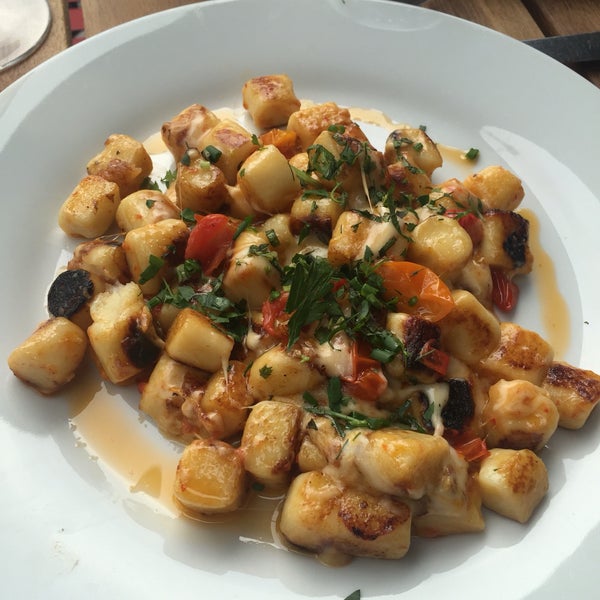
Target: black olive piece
460, 408
69, 292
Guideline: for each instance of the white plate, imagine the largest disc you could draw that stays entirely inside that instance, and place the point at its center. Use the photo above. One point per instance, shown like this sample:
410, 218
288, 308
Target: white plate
70, 525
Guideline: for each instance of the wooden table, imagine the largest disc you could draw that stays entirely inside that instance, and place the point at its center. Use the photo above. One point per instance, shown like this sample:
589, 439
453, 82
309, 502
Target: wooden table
521, 19
530, 19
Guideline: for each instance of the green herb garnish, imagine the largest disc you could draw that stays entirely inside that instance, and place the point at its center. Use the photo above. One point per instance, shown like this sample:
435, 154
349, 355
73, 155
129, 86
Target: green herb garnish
472, 153
155, 264
211, 154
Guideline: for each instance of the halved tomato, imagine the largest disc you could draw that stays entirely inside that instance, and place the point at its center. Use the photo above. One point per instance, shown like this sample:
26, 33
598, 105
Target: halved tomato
416, 289
209, 240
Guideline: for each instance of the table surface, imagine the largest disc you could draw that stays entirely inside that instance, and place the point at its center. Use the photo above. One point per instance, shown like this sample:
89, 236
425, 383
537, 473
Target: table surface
521, 19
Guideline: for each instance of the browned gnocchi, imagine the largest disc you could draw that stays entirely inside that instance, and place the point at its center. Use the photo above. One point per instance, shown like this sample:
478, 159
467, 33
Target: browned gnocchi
306, 313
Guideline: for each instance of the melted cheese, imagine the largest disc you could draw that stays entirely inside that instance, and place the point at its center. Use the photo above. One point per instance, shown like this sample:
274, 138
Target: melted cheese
437, 395
379, 235
335, 357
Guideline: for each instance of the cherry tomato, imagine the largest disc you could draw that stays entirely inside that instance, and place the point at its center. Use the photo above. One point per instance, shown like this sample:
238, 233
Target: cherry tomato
285, 141
367, 381
468, 445
417, 290
209, 240
274, 316
433, 358
470, 222
505, 292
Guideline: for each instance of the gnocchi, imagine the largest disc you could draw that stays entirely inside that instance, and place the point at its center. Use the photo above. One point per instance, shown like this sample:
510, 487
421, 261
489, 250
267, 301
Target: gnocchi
304, 312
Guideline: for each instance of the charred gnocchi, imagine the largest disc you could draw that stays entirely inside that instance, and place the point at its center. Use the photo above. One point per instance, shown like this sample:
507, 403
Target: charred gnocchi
309, 315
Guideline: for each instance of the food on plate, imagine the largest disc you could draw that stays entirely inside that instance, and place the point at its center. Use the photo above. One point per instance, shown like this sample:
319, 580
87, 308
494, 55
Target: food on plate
311, 315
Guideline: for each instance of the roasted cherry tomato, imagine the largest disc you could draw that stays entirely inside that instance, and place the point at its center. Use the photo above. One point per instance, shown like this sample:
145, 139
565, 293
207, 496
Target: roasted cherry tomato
468, 445
433, 358
473, 226
275, 318
209, 240
367, 381
417, 290
286, 141
505, 292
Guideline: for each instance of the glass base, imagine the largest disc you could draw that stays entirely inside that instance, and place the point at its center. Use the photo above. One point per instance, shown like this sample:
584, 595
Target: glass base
24, 25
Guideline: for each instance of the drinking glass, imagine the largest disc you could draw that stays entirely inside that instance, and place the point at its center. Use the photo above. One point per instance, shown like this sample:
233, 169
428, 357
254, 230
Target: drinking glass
24, 24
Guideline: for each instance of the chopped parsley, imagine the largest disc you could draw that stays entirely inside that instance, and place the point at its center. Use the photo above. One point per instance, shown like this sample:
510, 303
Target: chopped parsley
211, 154
187, 215
272, 237
265, 371
149, 184
346, 299
242, 226
168, 178
155, 264
343, 419
206, 295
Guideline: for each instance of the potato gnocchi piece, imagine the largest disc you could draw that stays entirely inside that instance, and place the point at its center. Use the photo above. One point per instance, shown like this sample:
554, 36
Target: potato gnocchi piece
267, 181
90, 209
270, 100
414, 146
144, 207
476, 277
269, 442
122, 333
309, 122
441, 244
171, 385
104, 260
574, 391
162, 242
105, 264
348, 239
315, 212
451, 508
470, 332
123, 161
505, 242
201, 187
49, 358
402, 178
325, 516
186, 129
278, 230
519, 415
233, 142
520, 354
416, 334
513, 482
401, 462
210, 477
250, 276
310, 457
347, 163
497, 188
277, 372
223, 409
195, 341
452, 197
353, 233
